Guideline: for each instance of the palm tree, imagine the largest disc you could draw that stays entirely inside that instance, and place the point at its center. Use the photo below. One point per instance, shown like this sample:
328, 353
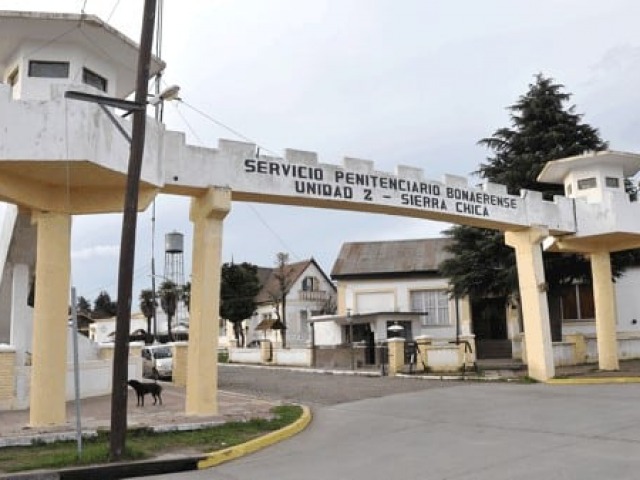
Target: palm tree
148, 305
186, 295
169, 302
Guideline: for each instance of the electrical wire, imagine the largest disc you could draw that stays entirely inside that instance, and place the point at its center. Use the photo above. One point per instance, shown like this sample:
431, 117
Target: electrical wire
226, 127
244, 137
113, 10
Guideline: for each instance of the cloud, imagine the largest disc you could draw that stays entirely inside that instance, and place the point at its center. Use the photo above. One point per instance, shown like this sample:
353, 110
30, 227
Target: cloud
90, 253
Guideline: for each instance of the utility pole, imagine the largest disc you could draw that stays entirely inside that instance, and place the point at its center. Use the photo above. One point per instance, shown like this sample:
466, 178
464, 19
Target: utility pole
127, 242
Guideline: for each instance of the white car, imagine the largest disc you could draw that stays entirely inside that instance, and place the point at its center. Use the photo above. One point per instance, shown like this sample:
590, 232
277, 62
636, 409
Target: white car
157, 361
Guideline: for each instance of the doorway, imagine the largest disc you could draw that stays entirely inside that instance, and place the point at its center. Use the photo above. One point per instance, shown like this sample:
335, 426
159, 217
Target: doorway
490, 328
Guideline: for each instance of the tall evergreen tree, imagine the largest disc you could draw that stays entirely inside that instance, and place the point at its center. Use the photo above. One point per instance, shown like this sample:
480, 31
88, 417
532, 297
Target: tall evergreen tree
542, 129
239, 286
103, 306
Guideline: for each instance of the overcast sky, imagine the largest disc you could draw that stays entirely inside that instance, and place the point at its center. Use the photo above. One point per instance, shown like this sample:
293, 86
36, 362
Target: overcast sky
412, 82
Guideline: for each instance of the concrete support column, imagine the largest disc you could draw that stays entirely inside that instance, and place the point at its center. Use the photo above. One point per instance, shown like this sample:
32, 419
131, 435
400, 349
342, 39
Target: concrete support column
464, 312
535, 308
396, 355
50, 316
21, 318
422, 362
207, 214
604, 298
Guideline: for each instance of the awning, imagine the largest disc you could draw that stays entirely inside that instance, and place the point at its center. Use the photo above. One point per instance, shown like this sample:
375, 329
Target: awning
362, 318
270, 324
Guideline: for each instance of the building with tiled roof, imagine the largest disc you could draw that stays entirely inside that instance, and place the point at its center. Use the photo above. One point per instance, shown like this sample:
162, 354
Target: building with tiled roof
310, 292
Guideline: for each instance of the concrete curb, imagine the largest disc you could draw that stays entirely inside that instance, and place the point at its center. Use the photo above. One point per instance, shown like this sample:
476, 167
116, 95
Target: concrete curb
592, 380
216, 458
169, 465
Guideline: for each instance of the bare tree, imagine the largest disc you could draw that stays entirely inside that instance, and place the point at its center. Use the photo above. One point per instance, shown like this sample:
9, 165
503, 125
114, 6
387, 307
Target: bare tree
282, 274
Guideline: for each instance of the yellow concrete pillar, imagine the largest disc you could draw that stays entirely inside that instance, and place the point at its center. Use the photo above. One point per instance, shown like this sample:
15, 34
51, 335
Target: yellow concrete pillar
50, 316
396, 355
180, 365
207, 214
604, 299
535, 308
464, 312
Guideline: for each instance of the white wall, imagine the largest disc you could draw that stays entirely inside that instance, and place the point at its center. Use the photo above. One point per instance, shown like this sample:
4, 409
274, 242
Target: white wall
393, 295
327, 334
628, 299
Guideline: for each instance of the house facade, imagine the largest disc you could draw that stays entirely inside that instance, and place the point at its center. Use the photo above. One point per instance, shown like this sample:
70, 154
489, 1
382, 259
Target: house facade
310, 292
393, 288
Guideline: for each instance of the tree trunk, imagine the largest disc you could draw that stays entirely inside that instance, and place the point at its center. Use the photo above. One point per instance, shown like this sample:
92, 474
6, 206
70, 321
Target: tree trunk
283, 332
149, 336
169, 330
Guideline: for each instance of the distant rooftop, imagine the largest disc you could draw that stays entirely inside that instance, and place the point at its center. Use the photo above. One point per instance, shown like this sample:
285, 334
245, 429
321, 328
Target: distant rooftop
390, 257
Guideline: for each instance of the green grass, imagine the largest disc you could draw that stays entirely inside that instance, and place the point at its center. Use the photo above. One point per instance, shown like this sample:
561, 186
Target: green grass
143, 443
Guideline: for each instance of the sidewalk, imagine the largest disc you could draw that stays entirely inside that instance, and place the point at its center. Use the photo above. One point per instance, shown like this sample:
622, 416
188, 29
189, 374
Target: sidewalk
96, 414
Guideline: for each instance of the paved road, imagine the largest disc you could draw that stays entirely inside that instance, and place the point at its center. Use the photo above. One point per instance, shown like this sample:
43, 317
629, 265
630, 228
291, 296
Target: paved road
315, 389
464, 432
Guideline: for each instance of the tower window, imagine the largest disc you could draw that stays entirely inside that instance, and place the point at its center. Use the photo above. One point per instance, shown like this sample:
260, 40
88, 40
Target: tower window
39, 68
587, 183
612, 182
93, 79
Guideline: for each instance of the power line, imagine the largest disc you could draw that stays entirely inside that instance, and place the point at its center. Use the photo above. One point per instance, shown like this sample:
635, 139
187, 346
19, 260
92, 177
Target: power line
113, 10
227, 127
246, 138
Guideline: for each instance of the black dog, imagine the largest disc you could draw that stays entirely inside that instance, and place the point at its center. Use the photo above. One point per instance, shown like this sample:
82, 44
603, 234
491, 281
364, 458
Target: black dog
142, 389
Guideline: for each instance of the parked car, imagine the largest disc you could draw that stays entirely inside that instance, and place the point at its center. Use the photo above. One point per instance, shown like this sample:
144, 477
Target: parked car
157, 361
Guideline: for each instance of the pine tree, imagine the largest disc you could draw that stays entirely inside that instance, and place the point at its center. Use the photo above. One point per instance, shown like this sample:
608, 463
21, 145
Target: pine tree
542, 129
103, 306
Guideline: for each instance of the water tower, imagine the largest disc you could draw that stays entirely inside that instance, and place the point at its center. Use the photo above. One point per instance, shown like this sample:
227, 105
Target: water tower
174, 258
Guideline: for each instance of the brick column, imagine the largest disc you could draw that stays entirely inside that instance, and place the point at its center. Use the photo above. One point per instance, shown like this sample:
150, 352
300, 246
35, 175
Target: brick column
396, 355
579, 347
7, 376
266, 353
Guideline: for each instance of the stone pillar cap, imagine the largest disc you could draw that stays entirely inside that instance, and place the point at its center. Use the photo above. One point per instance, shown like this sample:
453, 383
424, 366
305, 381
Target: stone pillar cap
395, 339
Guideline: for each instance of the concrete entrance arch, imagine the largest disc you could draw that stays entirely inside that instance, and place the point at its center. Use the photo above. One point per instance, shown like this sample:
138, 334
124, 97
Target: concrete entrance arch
60, 158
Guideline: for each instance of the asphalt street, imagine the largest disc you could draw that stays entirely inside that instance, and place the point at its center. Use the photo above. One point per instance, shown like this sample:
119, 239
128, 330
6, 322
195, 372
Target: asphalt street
468, 431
